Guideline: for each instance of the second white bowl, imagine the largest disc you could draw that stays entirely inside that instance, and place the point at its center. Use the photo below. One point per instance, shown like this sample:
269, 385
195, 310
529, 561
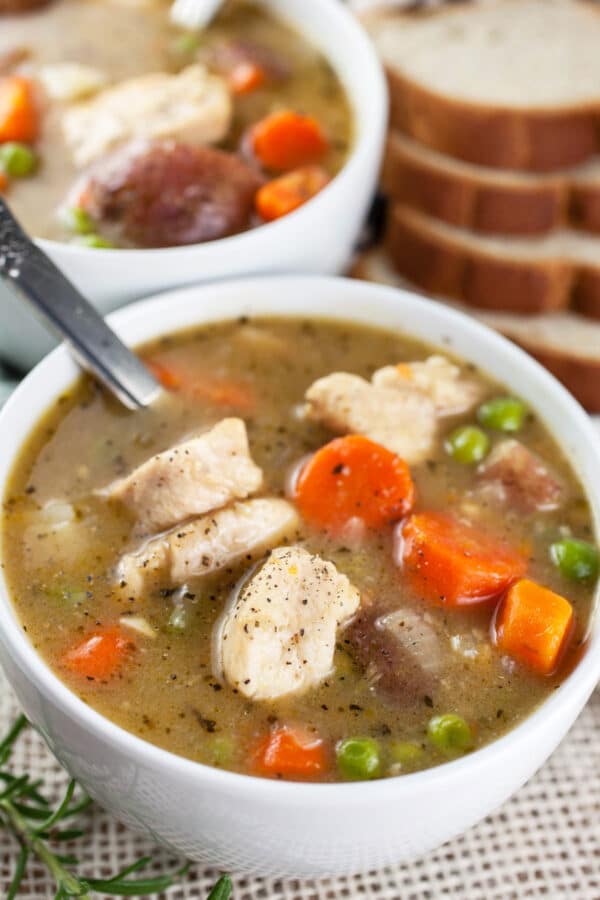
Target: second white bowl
317, 238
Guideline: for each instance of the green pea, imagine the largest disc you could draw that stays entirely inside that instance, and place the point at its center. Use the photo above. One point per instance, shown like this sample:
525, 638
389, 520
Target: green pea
450, 734
77, 220
467, 444
502, 414
178, 619
405, 752
576, 560
94, 241
220, 750
358, 759
66, 594
17, 160
186, 44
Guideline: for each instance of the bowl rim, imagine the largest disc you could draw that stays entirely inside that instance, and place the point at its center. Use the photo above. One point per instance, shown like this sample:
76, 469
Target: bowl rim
137, 317
365, 137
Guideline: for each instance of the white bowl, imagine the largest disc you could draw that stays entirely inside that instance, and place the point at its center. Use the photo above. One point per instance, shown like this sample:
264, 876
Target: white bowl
242, 823
318, 238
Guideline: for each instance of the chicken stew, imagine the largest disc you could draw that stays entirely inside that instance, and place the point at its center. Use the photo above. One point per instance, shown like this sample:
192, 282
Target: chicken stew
328, 553
120, 129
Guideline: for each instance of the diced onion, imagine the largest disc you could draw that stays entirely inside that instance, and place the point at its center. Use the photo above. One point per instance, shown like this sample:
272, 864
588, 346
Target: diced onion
57, 514
139, 624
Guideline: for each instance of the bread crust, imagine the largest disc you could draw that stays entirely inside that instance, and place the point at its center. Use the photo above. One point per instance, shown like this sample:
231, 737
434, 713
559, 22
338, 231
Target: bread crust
483, 201
536, 140
17, 6
481, 279
580, 375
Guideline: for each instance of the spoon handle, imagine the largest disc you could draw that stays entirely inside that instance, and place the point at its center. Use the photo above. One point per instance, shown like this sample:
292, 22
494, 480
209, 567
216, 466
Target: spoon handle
33, 275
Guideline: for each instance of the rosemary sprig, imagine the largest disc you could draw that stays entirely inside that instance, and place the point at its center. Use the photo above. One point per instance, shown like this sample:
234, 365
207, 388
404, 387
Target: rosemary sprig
37, 827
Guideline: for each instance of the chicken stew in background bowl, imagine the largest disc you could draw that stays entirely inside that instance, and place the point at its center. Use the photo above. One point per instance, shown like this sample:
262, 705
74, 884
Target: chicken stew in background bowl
331, 553
122, 129
249, 146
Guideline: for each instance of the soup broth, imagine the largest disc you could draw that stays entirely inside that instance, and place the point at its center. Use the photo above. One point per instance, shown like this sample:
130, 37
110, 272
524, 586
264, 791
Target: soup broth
62, 544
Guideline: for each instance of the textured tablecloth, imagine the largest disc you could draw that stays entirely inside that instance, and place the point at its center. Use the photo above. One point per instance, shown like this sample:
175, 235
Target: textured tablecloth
545, 842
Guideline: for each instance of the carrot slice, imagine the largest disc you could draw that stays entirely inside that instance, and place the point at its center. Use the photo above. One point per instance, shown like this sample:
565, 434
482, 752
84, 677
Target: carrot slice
354, 478
533, 625
283, 195
100, 655
216, 391
453, 564
288, 140
292, 753
246, 77
18, 114
3, 182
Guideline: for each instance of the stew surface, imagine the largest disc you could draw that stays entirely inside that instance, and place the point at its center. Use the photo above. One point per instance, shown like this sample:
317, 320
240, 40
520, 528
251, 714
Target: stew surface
118, 128
469, 585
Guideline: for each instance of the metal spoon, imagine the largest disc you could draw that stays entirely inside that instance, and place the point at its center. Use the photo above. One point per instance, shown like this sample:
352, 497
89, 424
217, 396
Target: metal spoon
194, 13
33, 276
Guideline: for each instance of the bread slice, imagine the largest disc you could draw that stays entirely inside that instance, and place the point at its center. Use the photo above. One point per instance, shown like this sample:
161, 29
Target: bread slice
506, 83
566, 344
519, 275
491, 201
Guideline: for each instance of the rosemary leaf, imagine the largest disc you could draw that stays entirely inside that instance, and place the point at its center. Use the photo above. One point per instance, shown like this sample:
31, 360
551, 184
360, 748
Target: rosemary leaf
19, 872
222, 889
27, 814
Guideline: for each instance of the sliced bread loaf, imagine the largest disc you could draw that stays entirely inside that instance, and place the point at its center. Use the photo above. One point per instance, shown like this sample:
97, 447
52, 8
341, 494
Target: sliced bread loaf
491, 201
567, 344
505, 83
519, 275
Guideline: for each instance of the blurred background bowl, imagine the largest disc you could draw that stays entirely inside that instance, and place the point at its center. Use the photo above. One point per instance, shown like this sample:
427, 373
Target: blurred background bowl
318, 238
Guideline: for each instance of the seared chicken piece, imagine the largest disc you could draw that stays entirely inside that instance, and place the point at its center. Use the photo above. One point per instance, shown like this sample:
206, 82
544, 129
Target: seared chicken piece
437, 378
279, 636
192, 478
515, 475
208, 544
193, 106
403, 421
400, 651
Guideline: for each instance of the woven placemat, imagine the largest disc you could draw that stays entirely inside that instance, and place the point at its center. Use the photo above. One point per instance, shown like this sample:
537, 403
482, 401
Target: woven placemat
545, 842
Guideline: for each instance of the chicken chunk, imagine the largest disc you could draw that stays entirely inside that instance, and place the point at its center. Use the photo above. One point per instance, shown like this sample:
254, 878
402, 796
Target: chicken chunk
514, 475
208, 544
279, 636
437, 378
190, 479
402, 421
192, 106
400, 651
